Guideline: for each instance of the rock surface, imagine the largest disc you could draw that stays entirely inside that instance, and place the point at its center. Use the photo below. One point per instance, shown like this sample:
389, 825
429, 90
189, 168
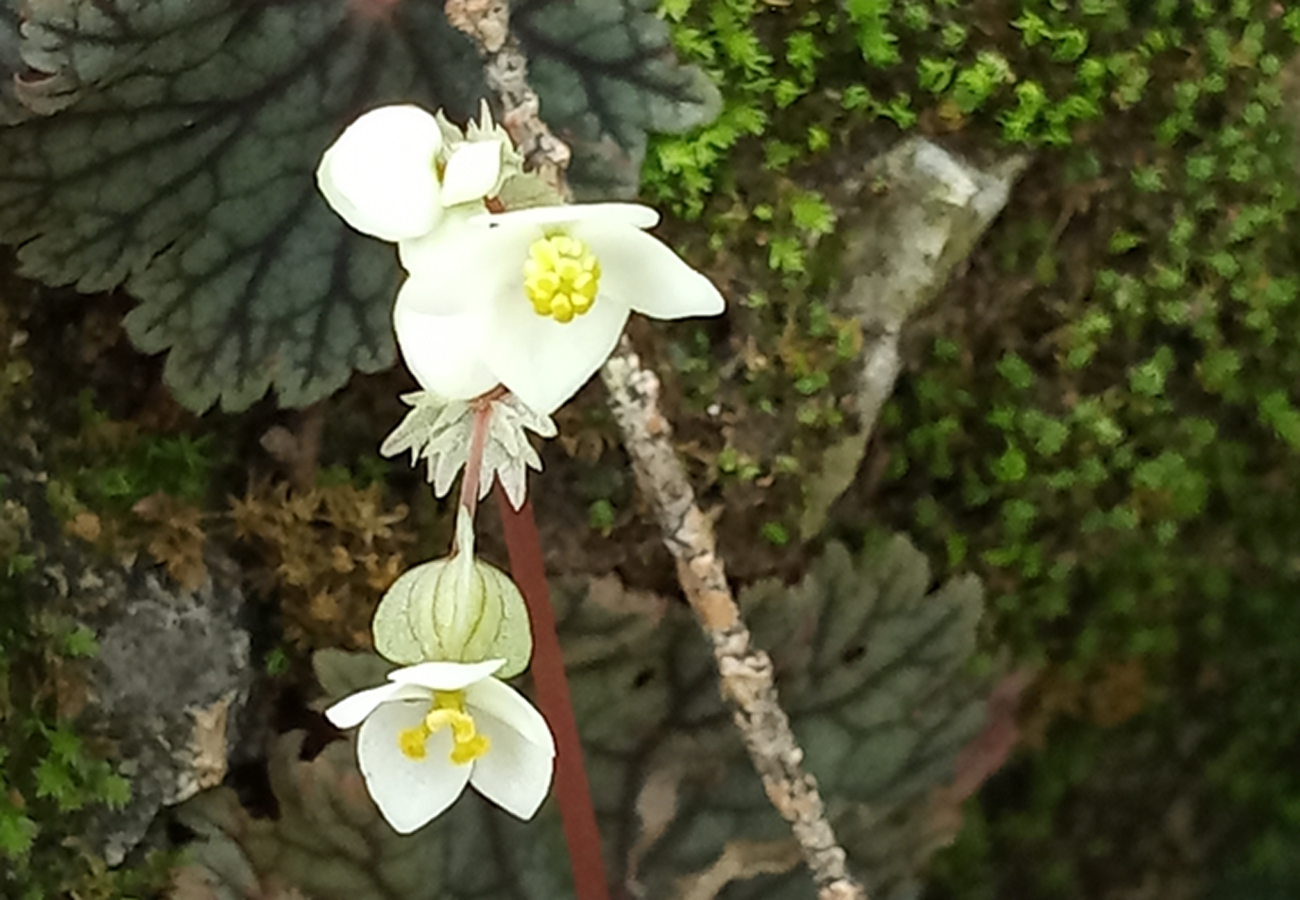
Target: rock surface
918, 211
171, 672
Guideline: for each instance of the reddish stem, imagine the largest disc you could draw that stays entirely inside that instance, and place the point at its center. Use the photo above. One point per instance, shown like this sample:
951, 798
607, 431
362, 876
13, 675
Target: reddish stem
469, 482
576, 811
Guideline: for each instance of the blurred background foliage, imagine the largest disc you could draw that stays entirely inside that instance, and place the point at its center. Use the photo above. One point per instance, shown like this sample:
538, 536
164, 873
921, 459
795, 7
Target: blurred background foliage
1098, 417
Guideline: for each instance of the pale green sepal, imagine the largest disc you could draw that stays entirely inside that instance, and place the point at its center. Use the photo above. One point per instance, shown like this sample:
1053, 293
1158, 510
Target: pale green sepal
458, 609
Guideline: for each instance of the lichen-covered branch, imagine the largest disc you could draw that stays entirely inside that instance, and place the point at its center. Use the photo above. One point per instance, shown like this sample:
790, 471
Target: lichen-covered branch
745, 672
487, 22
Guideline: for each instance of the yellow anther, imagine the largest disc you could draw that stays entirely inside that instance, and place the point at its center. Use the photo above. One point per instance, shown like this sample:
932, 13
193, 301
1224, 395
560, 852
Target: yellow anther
411, 741
568, 269
468, 751
562, 308
561, 277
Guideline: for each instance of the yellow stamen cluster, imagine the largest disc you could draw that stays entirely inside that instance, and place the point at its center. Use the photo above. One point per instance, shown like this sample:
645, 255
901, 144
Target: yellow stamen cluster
447, 709
561, 277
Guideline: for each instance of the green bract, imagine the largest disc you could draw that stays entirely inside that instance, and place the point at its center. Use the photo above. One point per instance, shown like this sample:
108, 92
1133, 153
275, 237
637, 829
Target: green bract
457, 609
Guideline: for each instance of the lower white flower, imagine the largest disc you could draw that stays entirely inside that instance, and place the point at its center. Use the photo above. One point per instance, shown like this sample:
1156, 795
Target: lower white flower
439, 726
536, 299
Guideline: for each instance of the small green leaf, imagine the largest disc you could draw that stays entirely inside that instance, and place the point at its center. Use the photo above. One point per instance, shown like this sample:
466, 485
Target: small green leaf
934, 75
1148, 378
80, 643
878, 43
54, 780
1277, 411
115, 791
17, 832
600, 516
775, 534
65, 746
1015, 370
786, 254
1011, 466
812, 214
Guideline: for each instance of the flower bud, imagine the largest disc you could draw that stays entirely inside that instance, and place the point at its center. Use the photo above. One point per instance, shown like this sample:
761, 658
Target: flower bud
456, 609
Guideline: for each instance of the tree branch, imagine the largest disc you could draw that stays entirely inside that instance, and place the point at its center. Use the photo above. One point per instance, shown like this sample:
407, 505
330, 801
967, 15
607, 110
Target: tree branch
506, 68
745, 672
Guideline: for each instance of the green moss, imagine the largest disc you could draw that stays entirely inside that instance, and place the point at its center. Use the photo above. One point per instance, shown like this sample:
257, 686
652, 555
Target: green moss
51, 775
110, 465
1114, 449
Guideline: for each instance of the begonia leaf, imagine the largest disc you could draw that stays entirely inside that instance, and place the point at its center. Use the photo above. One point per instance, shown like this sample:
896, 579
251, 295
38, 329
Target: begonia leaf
606, 73
872, 669
170, 146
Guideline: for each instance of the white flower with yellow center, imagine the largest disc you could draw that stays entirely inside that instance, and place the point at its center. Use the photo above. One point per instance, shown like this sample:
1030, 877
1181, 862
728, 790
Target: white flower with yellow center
536, 299
439, 726
394, 175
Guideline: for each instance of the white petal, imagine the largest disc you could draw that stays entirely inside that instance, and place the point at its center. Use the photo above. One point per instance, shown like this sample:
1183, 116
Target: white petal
353, 709
441, 316
409, 792
644, 273
444, 353
424, 253
445, 676
599, 214
379, 175
472, 172
459, 266
515, 773
543, 362
495, 698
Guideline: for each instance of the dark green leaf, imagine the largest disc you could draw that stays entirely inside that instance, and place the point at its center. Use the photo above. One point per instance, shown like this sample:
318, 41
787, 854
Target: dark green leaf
606, 74
341, 673
183, 167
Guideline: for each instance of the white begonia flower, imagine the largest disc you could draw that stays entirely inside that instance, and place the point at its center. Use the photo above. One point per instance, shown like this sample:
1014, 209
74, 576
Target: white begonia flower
536, 299
439, 431
438, 726
393, 174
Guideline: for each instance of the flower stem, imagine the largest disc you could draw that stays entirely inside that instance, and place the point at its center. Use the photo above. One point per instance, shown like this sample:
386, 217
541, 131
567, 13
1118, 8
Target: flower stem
576, 811
469, 483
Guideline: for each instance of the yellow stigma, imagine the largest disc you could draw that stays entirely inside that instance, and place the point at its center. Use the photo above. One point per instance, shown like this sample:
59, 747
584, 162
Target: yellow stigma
561, 277
447, 709
411, 741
